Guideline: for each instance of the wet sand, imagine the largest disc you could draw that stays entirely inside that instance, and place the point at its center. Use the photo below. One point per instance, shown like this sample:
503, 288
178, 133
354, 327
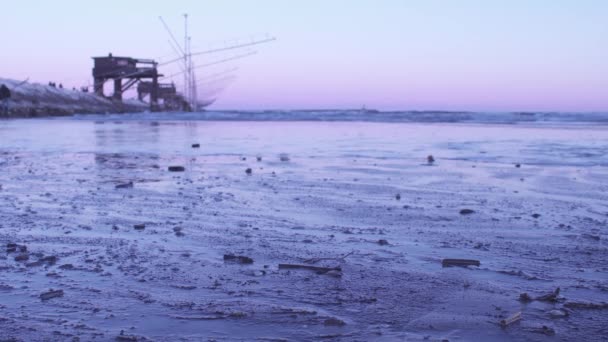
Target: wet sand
146, 262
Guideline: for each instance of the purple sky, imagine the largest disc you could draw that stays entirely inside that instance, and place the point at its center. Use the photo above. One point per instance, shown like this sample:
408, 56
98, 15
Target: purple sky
390, 54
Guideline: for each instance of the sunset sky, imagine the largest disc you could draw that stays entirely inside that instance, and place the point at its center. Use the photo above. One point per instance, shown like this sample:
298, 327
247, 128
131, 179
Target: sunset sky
389, 54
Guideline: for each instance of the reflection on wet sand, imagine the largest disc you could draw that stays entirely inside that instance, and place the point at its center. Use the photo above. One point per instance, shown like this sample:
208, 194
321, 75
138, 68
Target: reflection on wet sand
360, 217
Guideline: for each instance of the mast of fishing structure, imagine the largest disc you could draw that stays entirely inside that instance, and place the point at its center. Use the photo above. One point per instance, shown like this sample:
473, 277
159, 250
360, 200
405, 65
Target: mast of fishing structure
188, 67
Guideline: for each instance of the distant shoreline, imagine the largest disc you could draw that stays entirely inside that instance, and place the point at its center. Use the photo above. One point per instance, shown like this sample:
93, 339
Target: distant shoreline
358, 116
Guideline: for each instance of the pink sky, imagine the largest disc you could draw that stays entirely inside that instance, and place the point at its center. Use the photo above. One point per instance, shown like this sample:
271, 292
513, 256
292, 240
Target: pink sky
418, 54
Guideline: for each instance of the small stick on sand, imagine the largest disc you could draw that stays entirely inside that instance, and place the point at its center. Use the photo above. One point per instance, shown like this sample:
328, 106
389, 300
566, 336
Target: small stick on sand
511, 319
316, 260
459, 262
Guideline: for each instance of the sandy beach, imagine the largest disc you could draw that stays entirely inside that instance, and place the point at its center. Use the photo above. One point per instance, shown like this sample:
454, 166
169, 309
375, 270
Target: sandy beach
336, 233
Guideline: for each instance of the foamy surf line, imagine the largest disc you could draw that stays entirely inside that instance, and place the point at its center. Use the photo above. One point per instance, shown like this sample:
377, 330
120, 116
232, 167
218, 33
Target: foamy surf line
370, 116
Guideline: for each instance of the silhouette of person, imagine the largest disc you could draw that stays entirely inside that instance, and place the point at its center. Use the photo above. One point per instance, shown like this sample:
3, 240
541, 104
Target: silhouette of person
5, 96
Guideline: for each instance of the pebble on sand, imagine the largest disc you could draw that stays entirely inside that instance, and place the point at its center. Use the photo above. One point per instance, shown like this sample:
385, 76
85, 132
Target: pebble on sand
128, 185
51, 294
22, 257
178, 231
334, 322
558, 313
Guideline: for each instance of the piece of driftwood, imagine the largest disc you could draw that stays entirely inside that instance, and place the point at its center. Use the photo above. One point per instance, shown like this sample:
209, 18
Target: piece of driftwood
511, 319
550, 297
308, 267
460, 262
238, 258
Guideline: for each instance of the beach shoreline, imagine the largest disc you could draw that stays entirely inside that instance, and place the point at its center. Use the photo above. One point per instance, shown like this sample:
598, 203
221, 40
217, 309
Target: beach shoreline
141, 252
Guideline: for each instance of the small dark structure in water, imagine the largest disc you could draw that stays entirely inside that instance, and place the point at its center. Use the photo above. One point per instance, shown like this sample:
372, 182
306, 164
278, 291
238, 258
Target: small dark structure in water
132, 70
167, 92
